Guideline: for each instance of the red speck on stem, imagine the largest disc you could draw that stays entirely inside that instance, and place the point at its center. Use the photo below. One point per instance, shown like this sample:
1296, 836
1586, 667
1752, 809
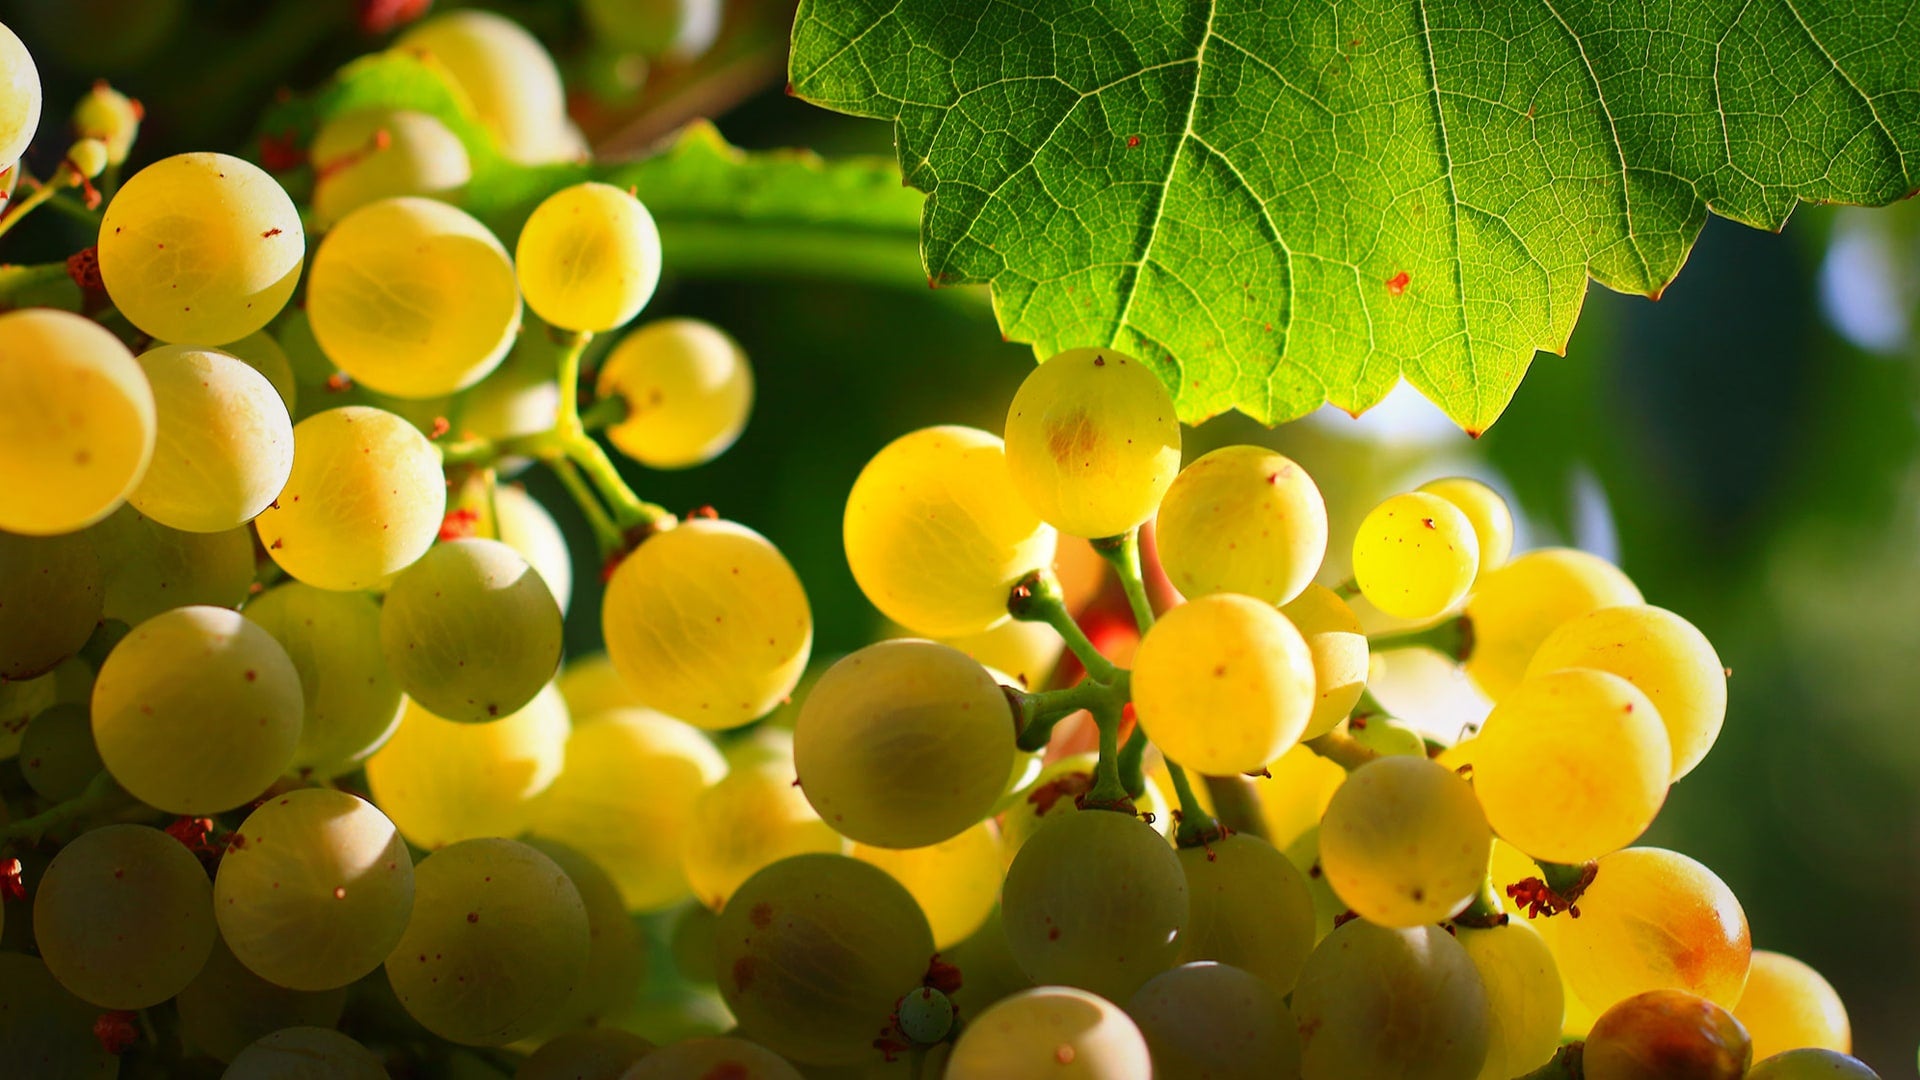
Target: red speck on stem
1397, 284
116, 1032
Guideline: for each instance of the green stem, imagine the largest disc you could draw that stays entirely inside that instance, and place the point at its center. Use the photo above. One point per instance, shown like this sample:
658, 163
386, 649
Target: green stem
1108, 789
1197, 827
735, 249
1451, 637
1484, 910
1347, 589
1040, 712
19, 208
1132, 761
1036, 598
606, 535
1236, 802
101, 794
629, 510
604, 413
1341, 749
1123, 553
1567, 879
18, 283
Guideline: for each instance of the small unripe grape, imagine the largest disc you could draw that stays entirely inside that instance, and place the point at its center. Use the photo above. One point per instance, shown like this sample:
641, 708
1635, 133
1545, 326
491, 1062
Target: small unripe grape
108, 115
926, 1015
88, 157
688, 389
1224, 684
589, 258
1492, 520
1666, 1035
1242, 519
1415, 556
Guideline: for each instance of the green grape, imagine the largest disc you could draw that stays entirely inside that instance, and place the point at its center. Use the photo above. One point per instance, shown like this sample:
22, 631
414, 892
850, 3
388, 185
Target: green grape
1092, 442
261, 352
1524, 998
51, 593
497, 942
1374, 1001
367, 155
956, 882
1811, 1065
151, 568
365, 500
305, 1053
1210, 1021
1051, 1033
226, 1007
47, 1031
988, 970
1517, 606
1026, 651
88, 157
942, 496
708, 623
526, 527
76, 422
1388, 738
925, 1015
1654, 920
108, 115
682, 29
753, 817
598, 1053
442, 781
124, 916
1486, 510
904, 743
1786, 1006
201, 247
197, 711
413, 298
1096, 900
1224, 684
1052, 793
1404, 842
353, 703
1572, 764
1666, 1035
1659, 652
70, 681
471, 631
688, 389
1242, 519
1339, 649
589, 258
616, 948
1415, 556
813, 951
57, 755
721, 1056
1249, 907
224, 445
19, 98
506, 76
592, 686
626, 800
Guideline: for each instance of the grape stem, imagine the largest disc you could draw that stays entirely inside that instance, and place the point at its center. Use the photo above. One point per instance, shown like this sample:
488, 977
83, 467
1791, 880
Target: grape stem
1123, 553
1449, 637
1133, 755
1483, 912
606, 535
1108, 789
1237, 804
1197, 827
63, 177
1341, 748
101, 794
1565, 1065
1039, 712
1036, 598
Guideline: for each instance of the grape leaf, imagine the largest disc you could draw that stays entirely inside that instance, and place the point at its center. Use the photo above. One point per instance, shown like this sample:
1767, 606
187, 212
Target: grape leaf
1281, 202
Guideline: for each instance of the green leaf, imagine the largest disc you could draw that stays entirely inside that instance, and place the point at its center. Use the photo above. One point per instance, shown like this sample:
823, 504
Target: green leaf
1283, 202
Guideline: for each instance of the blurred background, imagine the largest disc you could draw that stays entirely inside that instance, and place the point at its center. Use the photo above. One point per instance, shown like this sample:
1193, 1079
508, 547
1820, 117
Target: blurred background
1746, 448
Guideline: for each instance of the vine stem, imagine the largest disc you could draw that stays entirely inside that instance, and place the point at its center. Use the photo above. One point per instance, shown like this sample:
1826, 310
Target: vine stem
1036, 598
1197, 827
606, 535
1450, 637
629, 510
100, 794
1108, 789
1237, 805
19, 208
1341, 749
1041, 711
1484, 910
1123, 553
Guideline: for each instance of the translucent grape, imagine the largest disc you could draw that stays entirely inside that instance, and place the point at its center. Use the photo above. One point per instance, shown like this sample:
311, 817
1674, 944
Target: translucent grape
597, 1053
57, 755
751, 818
1339, 650
226, 1007
52, 589
46, 1030
1571, 765
1415, 556
1524, 1001
520, 397
1295, 794
719, 1056
1811, 1065
76, 422
201, 247
1404, 842
442, 781
471, 631
1365, 981
151, 568
942, 496
1209, 1021
1492, 520
1051, 1033
956, 882
588, 258
353, 702
1786, 1006
1026, 651
1654, 920
19, 97
688, 389
1242, 519
197, 711
367, 155
1249, 907
365, 500
224, 446
261, 352
1052, 794
708, 623
124, 916
108, 115
1515, 607
592, 686
413, 298
616, 949
1224, 684
305, 1053
1666, 1035
506, 76
526, 527
812, 953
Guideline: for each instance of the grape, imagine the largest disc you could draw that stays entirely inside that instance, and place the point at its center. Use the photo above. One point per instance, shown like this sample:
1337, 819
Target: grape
225, 443
1249, 907
1053, 793
367, 155
734, 1059
51, 592
753, 817
226, 1007
956, 881
197, 711
1242, 519
1415, 556
592, 687
1662, 654
1524, 998
1373, 1001
1209, 1021
442, 781
988, 970
71, 681
150, 568
413, 297
124, 916
1051, 1033
616, 948
19, 98
46, 1030
1654, 920
1092, 442
57, 755
305, 1053
365, 500
471, 631
626, 799
1517, 606
812, 953
1295, 794
497, 941
263, 354
1811, 1065
1224, 684
589, 258
1666, 1035
942, 497
76, 422
1571, 765
353, 703
521, 397
708, 623
507, 77
526, 527
598, 1053
1786, 1006
1491, 519
1386, 737
682, 29
108, 115
1404, 842
1339, 649
688, 389
1026, 651
201, 248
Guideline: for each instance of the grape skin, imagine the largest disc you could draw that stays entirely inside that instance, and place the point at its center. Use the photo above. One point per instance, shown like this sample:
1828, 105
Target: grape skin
1488, 513
594, 1053
1666, 1035
526, 527
956, 882
367, 155
471, 631
506, 75
1248, 906
688, 389
1051, 1033
1224, 684
1210, 1021
262, 352
589, 258
151, 568
19, 97
753, 817
1340, 655
1654, 920
1787, 1005
305, 1053
1415, 556
1524, 997
57, 755
1514, 608
353, 703
224, 445
47, 1030
1418, 983
226, 1007
1243, 519
1404, 842
616, 950
1811, 1064
1294, 796
442, 781
720, 1056
52, 589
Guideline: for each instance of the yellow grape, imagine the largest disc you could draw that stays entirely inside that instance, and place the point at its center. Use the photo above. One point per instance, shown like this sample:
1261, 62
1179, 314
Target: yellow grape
1026, 651
1404, 842
1092, 442
305, 1053
594, 1053
753, 817
1485, 509
715, 1056
124, 916
471, 631
956, 881
108, 115
1052, 792
224, 445
1249, 907
1373, 1001
520, 398
1666, 1035
616, 948
1661, 653
1242, 519
507, 77
1811, 1065
367, 155
76, 422
201, 248
52, 589
1654, 919
1051, 1033
1211, 1021
442, 781
1224, 684
1295, 794
1571, 765
708, 623
261, 352
1524, 998
226, 1007
365, 500
413, 297
942, 496
353, 703
1340, 657
1514, 608
526, 527
19, 98
1788, 1006
151, 568
688, 389
592, 686
1415, 556
47, 1030
589, 258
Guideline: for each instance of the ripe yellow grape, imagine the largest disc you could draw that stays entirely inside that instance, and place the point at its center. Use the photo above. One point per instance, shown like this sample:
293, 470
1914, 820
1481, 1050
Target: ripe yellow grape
365, 500
592, 686
1811, 1065
1026, 651
1571, 765
1224, 684
413, 298
1404, 842
521, 396
1051, 1033
1415, 556
942, 496
1379, 1002
1340, 657
1661, 653
1663, 1034
716, 1056
753, 817
506, 76
76, 422
1514, 608
124, 916
1211, 1021
261, 352
1295, 796
526, 527
224, 445
471, 631
151, 568
1654, 919
1787, 1005
1249, 907
688, 389
305, 1053
51, 592
442, 781
956, 882
367, 155
353, 703
595, 1053
1051, 794
1485, 509
47, 1030
588, 258
708, 623
226, 1007
201, 247
1242, 519
19, 97
616, 948
1524, 1000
